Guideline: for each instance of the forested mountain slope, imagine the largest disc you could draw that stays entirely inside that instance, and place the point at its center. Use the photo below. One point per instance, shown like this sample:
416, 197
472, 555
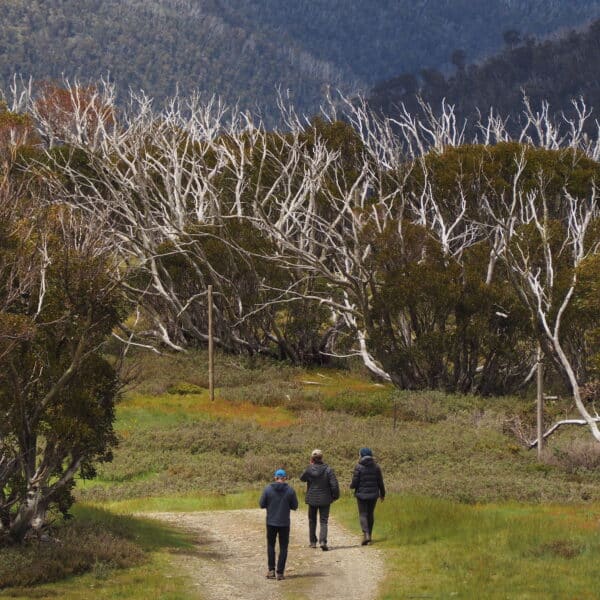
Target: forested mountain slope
373, 40
150, 45
555, 70
242, 49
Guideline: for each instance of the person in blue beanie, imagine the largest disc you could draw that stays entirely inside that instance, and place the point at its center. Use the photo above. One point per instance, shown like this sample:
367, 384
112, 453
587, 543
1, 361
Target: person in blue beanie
278, 498
367, 483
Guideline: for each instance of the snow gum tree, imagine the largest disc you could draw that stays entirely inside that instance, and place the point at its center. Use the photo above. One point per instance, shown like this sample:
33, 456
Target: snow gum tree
549, 240
58, 303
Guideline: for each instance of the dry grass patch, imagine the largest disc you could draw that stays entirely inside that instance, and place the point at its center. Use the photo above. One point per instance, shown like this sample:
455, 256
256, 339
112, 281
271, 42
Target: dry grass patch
200, 406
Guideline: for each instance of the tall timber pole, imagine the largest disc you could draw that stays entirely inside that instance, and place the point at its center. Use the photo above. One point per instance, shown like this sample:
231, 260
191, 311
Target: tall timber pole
211, 365
540, 402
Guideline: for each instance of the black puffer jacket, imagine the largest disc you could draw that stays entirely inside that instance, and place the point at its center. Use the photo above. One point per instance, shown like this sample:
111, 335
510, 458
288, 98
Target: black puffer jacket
367, 480
322, 484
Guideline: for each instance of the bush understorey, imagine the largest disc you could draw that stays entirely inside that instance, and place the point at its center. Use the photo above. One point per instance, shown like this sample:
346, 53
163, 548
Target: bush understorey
72, 548
429, 443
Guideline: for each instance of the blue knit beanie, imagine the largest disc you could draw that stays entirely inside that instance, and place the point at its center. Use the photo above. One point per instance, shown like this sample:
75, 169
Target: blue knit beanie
365, 452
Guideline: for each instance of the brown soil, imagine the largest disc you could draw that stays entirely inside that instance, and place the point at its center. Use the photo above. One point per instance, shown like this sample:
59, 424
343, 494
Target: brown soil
231, 559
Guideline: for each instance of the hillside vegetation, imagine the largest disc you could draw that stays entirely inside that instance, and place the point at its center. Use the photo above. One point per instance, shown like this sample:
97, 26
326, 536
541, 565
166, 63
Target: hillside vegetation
242, 50
267, 415
554, 71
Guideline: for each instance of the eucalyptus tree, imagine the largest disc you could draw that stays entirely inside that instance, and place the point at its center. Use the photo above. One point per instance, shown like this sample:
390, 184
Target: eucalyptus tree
58, 303
549, 236
457, 181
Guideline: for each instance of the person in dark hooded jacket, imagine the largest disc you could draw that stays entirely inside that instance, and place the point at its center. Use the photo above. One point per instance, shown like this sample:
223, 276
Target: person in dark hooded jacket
322, 489
367, 483
279, 499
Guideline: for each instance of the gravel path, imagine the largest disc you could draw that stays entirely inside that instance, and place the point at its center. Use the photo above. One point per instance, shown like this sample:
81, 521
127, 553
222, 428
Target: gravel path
230, 561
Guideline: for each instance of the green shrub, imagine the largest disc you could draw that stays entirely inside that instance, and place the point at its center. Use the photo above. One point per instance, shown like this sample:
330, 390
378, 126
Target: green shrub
266, 393
185, 388
563, 548
360, 404
575, 456
156, 374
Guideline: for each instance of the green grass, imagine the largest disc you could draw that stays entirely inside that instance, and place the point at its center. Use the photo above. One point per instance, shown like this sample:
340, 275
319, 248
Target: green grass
465, 456
141, 412
188, 503
441, 549
154, 579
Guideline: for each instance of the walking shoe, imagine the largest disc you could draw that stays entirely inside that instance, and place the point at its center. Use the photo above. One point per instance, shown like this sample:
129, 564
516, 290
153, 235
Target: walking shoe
271, 575
313, 545
280, 576
366, 539
324, 547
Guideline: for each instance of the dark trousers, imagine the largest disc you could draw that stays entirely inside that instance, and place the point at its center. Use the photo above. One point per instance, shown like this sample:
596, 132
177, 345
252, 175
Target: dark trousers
284, 540
312, 523
366, 514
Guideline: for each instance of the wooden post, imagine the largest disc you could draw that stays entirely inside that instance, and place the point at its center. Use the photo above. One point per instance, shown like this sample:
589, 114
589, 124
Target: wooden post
211, 366
540, 403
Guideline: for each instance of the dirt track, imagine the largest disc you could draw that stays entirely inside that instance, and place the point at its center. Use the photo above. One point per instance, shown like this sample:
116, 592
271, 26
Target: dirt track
230, 561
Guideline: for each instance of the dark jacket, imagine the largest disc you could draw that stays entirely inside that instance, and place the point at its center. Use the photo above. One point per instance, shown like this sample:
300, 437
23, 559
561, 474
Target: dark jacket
322, 484
278, 498
367, 480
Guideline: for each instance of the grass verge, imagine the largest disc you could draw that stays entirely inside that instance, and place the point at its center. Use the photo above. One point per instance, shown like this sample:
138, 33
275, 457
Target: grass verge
436, 548
185, 503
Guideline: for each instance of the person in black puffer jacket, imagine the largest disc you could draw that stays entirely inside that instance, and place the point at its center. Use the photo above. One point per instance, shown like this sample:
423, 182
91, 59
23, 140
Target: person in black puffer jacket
367, 483
322, 490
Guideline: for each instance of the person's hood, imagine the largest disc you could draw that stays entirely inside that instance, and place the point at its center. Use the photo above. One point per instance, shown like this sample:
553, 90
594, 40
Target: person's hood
279, 486
366, 460
317, 469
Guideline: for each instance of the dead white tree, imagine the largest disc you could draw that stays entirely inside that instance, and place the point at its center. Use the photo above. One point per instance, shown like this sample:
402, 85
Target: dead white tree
154, 177
539, 128
175, 183
543, 252
170, 181
407, 137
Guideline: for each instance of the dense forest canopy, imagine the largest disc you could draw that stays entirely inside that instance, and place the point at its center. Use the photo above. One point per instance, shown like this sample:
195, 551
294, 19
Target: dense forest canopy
243, 49
372, 41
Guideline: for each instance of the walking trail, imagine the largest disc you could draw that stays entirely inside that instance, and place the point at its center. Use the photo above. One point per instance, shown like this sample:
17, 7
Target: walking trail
230, 560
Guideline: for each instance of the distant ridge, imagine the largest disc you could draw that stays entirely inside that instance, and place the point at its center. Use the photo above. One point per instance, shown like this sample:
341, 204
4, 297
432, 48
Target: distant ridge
557, 71
243, 49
